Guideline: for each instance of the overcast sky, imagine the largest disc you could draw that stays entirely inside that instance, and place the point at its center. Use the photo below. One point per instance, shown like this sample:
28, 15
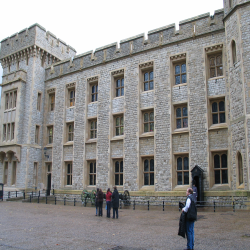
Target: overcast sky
86, 25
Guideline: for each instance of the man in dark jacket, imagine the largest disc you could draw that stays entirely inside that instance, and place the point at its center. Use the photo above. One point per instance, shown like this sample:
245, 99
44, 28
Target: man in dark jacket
191, 211
115, 202
100, 201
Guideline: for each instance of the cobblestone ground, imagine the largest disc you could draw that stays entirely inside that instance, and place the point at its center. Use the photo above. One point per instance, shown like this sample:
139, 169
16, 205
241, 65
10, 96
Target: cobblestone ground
41, 226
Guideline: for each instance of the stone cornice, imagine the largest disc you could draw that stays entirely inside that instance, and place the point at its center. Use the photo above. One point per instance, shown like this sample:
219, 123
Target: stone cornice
118, 72
179, 56
53, 90
92, 79
214, 48
70, 85
146, 65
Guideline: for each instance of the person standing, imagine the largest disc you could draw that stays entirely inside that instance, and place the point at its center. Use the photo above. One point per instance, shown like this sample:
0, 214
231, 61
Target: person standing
100, 201
108, 202
195, 192
191, 216
96, 202
115, 202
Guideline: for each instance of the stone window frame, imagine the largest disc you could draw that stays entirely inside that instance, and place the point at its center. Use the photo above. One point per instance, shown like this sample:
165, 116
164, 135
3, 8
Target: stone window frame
219, 153
35, 174
4, 132
93, 129
10, 103
142, 122
149, 158
88, 129
240, 170
70, 128
50, 136
12, 136
217, 99
37, 134
71, 95
68, 173
178, 59
119, 126
5, 173
13, 176
51, 93
39, 101
175, 107
93, 81
144, 68
233, 52
214, 51
183, 170
9, 131
93, 173
115, 76
118, 173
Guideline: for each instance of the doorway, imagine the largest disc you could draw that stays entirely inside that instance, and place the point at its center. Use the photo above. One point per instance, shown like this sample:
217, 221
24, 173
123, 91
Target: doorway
48, 184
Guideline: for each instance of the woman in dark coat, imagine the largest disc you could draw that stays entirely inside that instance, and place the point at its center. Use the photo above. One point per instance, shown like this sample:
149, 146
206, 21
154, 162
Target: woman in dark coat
96, 202
115, 202
100, 201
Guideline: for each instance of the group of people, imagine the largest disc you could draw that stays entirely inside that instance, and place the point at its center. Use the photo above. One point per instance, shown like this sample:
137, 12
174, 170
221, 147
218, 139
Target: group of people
111, 198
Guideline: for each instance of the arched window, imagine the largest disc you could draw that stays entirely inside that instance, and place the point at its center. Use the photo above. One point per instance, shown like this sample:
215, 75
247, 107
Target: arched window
234, 51
240, 169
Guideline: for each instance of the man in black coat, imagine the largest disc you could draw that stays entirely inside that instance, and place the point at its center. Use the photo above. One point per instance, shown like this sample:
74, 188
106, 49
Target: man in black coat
115, 202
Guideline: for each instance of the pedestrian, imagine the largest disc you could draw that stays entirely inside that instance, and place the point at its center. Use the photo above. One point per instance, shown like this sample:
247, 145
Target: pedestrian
195, 192
115, 202
191, 217
96, 201
100, 201
108, 202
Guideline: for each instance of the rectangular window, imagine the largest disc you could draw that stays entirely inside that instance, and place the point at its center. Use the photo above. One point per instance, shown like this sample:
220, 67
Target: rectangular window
13, 180
6, 101
50, 134
92, 173
39, 98
69, 173
119, 125
181, 115
70, 129
148, 121
94, 92
180, 73
5, 173
71, 97
182, 169
218, 111
118, 172
4, 132
12, 131
119, 86
215, 65
148, 80
37, 134
52, 102
148, 171
35, 174
8, 131
10, 99
93, 129
220, 168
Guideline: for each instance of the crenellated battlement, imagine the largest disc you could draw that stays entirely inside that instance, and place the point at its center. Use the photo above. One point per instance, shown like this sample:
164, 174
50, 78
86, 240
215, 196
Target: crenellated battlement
34, 41
163, 36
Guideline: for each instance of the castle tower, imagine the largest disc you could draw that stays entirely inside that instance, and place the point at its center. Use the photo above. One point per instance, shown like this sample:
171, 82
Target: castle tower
236, 20
24, 57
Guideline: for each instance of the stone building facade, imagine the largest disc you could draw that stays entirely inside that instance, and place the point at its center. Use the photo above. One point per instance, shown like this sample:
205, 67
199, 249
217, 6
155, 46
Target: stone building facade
139, 115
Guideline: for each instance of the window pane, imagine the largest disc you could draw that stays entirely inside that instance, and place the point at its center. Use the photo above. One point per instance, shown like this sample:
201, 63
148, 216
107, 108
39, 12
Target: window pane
92, 134
118, 83
96, 98
184, 111
217, 177
224, 161
146, 86
224, 176
179, 178
146, 77
146, 166
146, 117
185, 122
95, 167
146, 127
121, 179
186, 163
216, 161
91, 167
177, 80
219, 71
178, 123
117, 166
68, 169
118, 92
122, 91
222, 118
121, 166
212, 61
215, 119
214, 107
151, 85
221, 106
152, 165
178, 112
91, 180
122, 82
121, 131
117, 179
117, 121
183, 78
93, 98
151, 75
121, 120
117, 131
179, 163
151, 127
186, 178
219, 60
212, 73
152, 116
177, 69
151, 179
146, 181
93, 89
183, 68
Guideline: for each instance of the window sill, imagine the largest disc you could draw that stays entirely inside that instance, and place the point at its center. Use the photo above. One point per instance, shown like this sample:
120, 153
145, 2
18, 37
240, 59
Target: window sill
218, 77
68, 143
118, 97
181, 131
93, 102
241, 186
8, 110
117, 138
179, 85
148, 188
150, 90
181, 187
218, 126
148, 134
49, 146
68, 186
91, 140
220, 187
71, 107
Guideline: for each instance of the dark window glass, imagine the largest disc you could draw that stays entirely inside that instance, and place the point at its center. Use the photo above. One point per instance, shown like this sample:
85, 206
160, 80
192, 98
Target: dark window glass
179, 178
186, 178
224, 177
179, 163
216, 161
186, 164
146, 166
224, 161
217, 177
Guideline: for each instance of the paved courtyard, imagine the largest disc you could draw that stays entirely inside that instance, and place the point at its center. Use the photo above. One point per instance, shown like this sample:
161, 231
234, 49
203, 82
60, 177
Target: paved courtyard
41, 226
